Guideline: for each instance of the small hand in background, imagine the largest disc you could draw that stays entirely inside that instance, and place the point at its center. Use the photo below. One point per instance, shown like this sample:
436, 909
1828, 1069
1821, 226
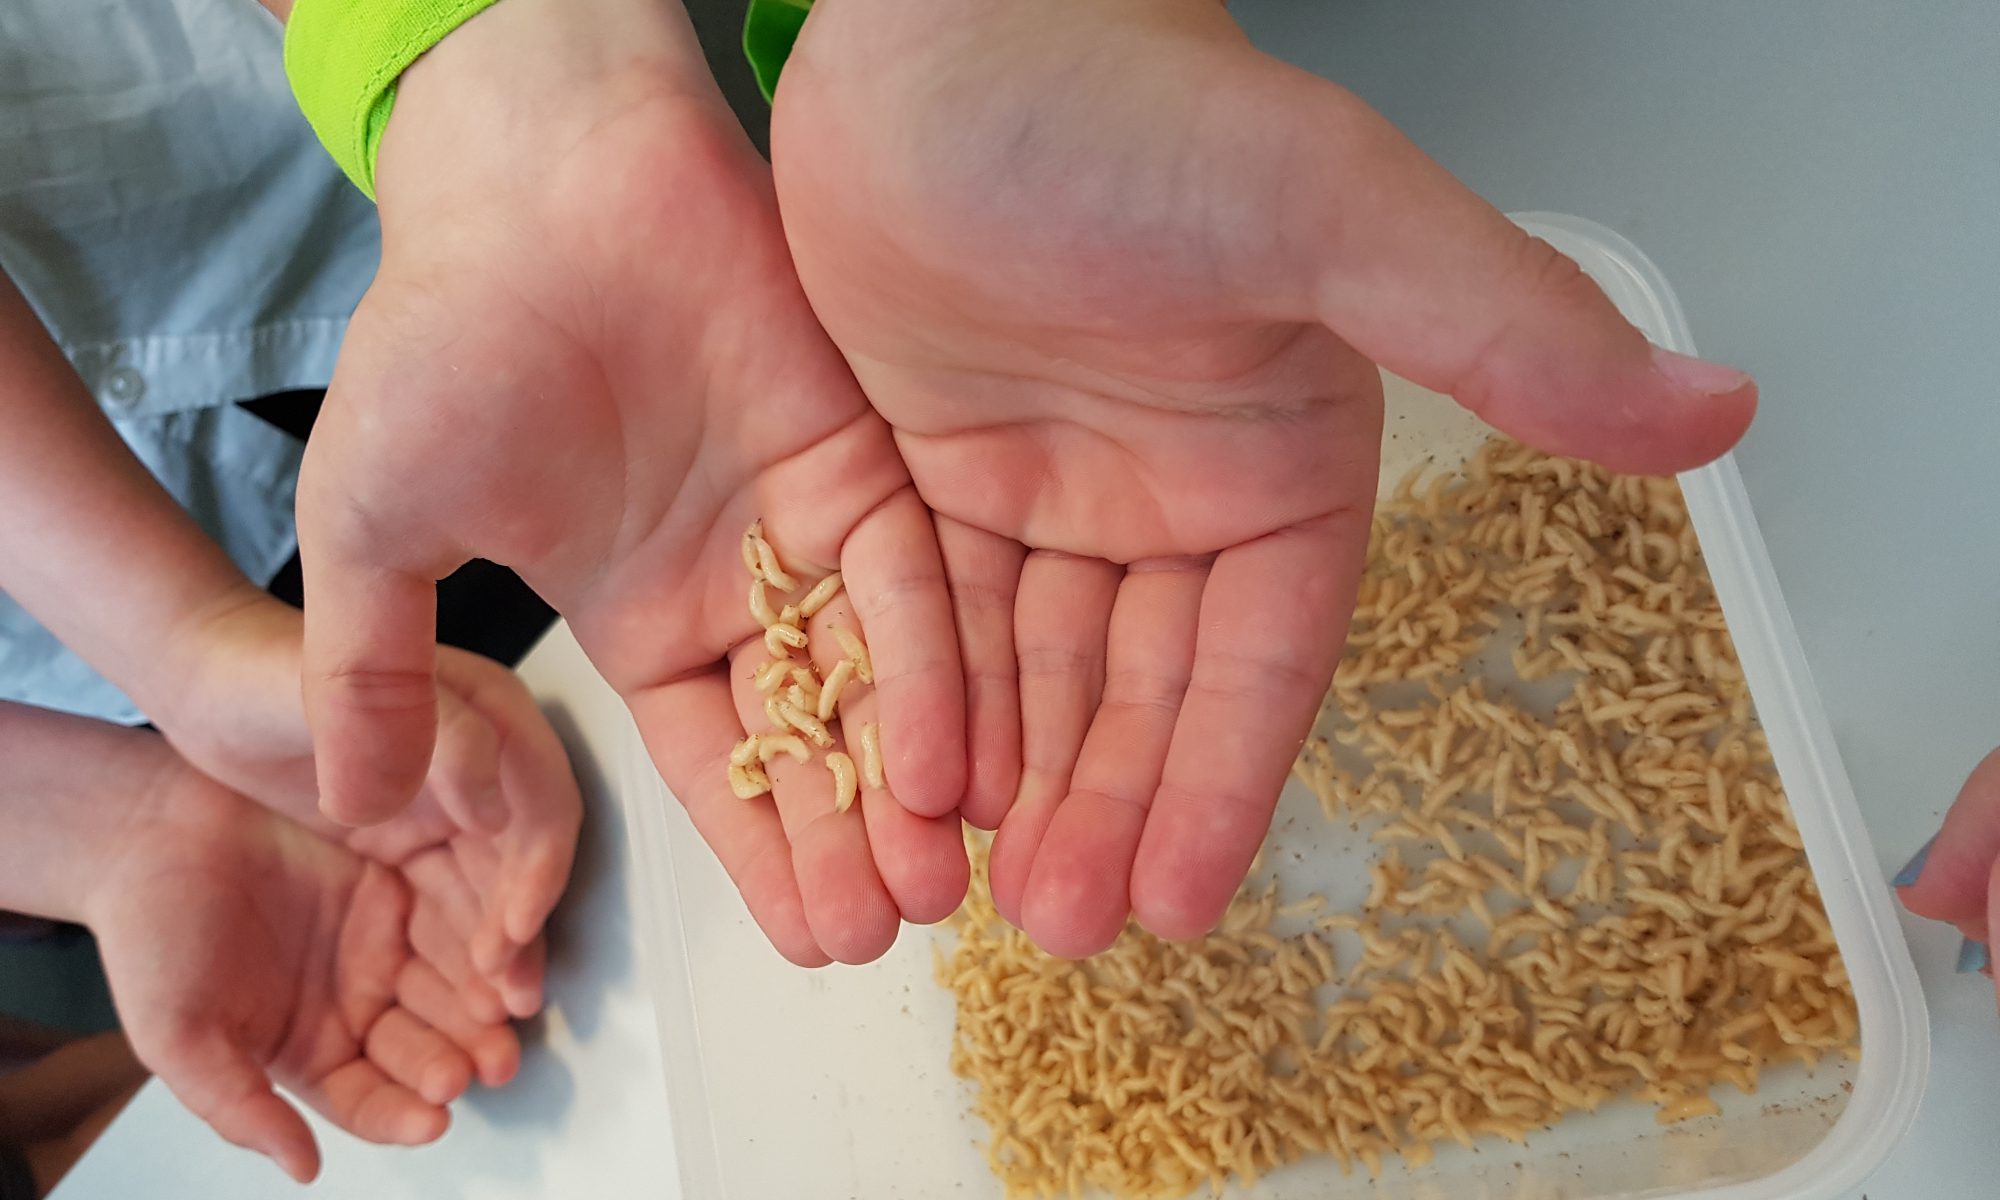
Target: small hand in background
489, 839
245, 951
1955, 878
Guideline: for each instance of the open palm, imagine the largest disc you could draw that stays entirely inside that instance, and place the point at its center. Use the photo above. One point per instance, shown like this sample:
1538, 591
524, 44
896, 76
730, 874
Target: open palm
600, 373
244, 951
1120, 283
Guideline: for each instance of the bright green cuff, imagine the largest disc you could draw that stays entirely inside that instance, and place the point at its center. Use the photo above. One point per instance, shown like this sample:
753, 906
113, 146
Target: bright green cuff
769, 30
344, 57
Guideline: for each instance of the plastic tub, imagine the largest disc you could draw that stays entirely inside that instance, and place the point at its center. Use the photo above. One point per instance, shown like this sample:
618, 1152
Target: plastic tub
794, 1085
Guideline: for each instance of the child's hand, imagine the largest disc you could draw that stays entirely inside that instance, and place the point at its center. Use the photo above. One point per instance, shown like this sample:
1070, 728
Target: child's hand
586, 356
1120, 282
491, 834
244, 951
1956, 877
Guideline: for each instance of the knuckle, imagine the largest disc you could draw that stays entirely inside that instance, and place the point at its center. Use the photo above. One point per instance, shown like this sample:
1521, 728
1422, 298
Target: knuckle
1540, 279
982, 597
1059, 662
1145, 691
1546, 273
1244, 680
1115, 798
889, 596
383, 690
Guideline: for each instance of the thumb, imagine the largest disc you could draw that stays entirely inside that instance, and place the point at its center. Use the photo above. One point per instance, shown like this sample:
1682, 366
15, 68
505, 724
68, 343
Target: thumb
1423, 277
370, 644
1951, 885
221, 1084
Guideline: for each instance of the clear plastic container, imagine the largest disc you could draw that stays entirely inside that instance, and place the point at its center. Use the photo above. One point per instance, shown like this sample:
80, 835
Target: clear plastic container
794, 1085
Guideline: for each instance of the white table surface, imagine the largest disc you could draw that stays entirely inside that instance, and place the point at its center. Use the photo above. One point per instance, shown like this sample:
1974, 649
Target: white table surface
1816, 178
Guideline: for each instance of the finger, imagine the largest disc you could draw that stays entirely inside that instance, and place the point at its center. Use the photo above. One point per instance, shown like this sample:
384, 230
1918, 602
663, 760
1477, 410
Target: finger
1079, 891
465, 767
1273, 618
544, 807
920, 860
373, 944
479, 862
1985, 937
1953, 884
434, 940
417, 1056
521, 986
847, 906
494, 1049
442, 886
896, 583
539, 862
370, 653
360, 1098
1061, 618
490, 949
984, 572
435, 878
1421, 275
538, 877
689, 727
219, 1082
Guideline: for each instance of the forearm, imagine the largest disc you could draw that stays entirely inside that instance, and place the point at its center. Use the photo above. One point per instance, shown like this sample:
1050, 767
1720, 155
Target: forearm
92, 545
67, 785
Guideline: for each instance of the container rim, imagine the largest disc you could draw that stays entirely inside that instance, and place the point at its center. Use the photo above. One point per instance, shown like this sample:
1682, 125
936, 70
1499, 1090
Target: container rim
1895, 1025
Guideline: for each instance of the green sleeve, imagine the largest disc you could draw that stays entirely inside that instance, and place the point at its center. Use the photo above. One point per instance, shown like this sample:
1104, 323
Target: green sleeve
768, 33
343, 58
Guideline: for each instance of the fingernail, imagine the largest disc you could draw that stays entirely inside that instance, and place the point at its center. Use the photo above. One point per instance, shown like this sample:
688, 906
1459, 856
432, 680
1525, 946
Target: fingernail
1973, 956
1698, 374
1914, 869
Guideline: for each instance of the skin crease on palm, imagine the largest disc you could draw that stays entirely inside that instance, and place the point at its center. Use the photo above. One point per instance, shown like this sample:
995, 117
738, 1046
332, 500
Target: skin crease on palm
599, 372
1120, 283
284, 959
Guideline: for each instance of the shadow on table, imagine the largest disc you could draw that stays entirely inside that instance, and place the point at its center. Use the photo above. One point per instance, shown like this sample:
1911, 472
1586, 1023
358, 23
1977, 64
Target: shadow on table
590, 951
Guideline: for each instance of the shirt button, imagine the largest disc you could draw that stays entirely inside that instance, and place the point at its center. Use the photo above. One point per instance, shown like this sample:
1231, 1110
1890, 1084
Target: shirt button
124, 388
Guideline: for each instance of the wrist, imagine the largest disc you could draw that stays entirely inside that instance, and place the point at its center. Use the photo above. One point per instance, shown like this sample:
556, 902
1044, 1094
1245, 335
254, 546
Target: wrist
237, 703
74, 796
524, 81
194, 637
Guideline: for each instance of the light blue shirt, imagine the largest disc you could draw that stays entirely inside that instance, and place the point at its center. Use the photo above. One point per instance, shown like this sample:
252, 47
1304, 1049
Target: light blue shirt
167, 213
